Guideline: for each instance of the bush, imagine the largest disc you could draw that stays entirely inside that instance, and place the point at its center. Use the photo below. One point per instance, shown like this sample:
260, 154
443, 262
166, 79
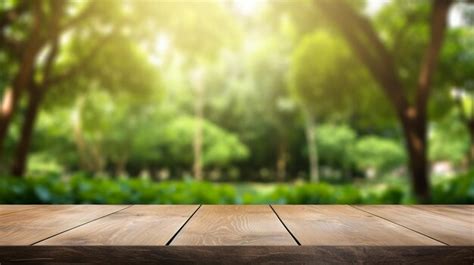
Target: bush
335, 143
456, 190
102, 190
220, 147
377, 153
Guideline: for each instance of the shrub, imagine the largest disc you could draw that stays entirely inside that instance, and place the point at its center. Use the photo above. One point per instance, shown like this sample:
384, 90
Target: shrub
456, 190
378, 153
103, 190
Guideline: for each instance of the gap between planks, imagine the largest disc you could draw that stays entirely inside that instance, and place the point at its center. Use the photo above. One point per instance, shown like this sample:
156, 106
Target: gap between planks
34, 243
271, 207
284, 225
179, 230
411, 229
234, 225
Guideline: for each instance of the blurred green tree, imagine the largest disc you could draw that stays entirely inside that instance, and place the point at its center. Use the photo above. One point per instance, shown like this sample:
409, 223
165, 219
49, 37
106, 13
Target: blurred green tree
336, 147
220, 147
376, 155
382, 63
456, 79
449, 141
38, 40
316, 83
100, 41
198, 30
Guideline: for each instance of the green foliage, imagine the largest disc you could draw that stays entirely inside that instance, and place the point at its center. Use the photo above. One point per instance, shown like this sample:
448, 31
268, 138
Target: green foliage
449, 140
340, 148
335, 143
140, 134
455, 79
80, 189
100, 190
457, 59
128, 105
321, 193
220, 148
402, 26
198, 29
379, 154
52, 143
455, 190
314, 76
111, 127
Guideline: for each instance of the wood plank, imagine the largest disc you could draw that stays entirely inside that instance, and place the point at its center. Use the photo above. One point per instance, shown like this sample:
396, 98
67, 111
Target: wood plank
137, 225
343, 225
33, 225
236, 255
7, 209
459, 212
234, 225
446, 229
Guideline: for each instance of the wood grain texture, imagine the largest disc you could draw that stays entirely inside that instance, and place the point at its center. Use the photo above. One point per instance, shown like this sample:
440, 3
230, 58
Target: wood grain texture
236, 255
441, 226
32, 225
7, 209
137, 225
343, 225
459, 212
234, 225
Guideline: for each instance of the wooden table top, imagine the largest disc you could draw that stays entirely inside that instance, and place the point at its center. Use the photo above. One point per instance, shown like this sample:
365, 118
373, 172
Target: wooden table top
298, 229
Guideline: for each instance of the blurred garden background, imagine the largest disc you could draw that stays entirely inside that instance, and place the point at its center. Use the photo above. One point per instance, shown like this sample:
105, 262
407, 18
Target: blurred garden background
236, 101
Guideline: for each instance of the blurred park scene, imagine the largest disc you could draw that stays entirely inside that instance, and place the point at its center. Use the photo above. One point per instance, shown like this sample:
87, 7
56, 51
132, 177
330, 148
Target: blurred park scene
237, 101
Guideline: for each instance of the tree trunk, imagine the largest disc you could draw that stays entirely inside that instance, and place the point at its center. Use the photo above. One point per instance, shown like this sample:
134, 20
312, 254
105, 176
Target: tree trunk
77, 134
414, 128
9, 102
198, 130
312, 149
470, 127
20, 161
120, 166
22, 79
35, 97
11, 97
197, 148
367, 45
282, 161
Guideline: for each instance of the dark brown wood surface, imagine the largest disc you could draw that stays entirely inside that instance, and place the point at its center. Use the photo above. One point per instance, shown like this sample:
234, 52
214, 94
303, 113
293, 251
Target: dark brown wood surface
444, 227
343, 225
137, 225
234, 225
236, 255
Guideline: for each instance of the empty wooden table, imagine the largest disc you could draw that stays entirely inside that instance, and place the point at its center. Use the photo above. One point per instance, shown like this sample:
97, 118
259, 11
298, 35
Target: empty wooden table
223, 234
